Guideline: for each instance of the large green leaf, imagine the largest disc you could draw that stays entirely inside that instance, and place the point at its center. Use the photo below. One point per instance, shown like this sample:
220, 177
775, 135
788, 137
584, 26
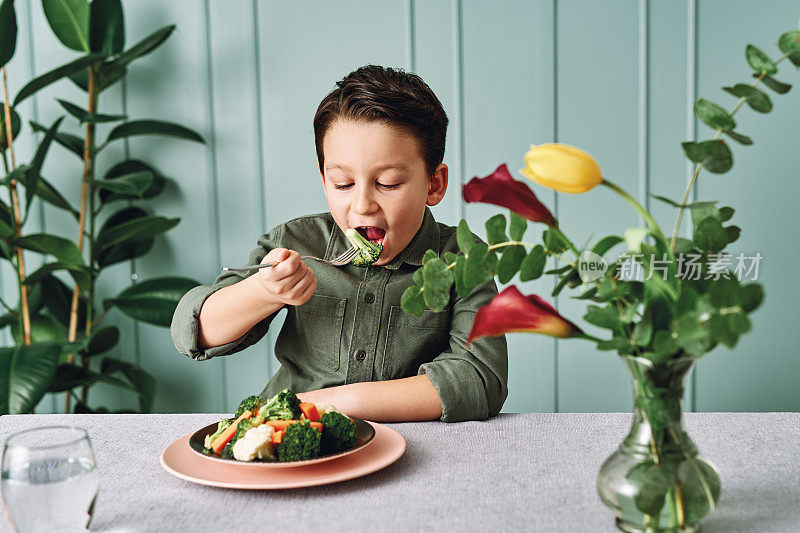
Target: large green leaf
79, 273
715, 155
532, 266
102, 340
138, 229
153, 127
8, 31
69, 376
50, 194
84, 116
128, 186
69, 20
54, 75
73, 143
437, 282
496, 229
33, 173
776, 85
43, 329
143, 47
510, 263
16, 124
412, 300
106, 27
152, 301
103, 78
756, 99
132, 166
25, 372
57, 299
122, 252
44, 243
464, 237
143, 382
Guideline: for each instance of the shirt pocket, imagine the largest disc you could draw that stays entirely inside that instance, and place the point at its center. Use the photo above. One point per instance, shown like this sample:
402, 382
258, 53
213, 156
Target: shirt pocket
319, 327
412, 341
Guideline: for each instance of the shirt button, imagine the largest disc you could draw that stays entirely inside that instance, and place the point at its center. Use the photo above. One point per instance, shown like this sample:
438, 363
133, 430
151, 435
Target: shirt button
361, 355
369, 297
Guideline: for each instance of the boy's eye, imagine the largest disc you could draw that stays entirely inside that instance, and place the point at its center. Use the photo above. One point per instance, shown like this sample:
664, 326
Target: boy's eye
387, 186
342, 187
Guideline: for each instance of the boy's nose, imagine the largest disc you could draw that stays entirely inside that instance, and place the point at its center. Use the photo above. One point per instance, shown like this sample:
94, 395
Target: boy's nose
364, 202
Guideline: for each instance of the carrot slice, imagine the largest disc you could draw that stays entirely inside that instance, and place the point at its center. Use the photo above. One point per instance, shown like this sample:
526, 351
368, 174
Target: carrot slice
310, 410
225, 437
278, 425
277, 437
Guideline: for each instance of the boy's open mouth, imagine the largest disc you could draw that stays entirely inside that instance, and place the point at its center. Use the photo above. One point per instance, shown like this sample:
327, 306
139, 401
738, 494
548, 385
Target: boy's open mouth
372, 234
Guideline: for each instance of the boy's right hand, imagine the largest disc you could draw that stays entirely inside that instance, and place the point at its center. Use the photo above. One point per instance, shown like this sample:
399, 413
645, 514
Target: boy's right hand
291, 281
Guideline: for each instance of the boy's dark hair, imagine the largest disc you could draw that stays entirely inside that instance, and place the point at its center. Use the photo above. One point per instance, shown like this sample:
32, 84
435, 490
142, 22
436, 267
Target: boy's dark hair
392, 96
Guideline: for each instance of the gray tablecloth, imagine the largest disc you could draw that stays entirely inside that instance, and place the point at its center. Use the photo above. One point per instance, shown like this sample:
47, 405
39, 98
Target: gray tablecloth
516, 472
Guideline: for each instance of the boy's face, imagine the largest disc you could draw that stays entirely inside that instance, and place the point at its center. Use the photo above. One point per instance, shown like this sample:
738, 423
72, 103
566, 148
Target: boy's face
375, 181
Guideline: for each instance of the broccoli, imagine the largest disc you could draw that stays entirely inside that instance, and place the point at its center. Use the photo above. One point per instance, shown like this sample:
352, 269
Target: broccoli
220, 428
251, 403
300, 442
283, 406
243, 426
338, 433
368, 252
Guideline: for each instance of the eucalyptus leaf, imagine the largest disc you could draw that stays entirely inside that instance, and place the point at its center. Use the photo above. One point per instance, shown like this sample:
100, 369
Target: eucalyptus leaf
516, 226
709, 235
714, 115
510, 262
152, 301
759, 61
714, 155
464, 237
25, 372
750, 296
437, 282
496, 229
458, 276
739, 138
412, 301
789, 43
480, 266
755, 98
532, 266
554, 240
777, 86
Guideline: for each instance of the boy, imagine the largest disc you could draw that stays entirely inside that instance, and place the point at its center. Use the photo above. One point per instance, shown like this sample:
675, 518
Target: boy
380, 138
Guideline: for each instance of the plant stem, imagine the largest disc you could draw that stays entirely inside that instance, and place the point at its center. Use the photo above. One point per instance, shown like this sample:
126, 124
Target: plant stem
689, 188
636, 205
86, 191
12, 186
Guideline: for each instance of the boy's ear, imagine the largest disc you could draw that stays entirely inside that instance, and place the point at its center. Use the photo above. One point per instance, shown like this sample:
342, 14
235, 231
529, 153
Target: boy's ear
437, 185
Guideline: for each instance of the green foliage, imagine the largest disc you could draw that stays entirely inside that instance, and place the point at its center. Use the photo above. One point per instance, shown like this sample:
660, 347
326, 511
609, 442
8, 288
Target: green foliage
96, 31
283, 406
252, 403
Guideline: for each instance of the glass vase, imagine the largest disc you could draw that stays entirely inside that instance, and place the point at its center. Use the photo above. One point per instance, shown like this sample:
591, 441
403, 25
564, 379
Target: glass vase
656, 481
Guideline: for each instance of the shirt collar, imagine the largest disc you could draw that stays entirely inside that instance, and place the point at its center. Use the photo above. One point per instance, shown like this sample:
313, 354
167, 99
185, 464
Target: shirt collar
427, 237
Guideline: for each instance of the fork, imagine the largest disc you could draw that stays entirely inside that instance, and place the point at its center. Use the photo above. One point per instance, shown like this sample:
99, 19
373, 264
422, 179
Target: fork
341, 260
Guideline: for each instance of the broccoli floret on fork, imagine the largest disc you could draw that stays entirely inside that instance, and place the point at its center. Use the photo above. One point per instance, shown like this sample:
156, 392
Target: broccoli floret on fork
368, 252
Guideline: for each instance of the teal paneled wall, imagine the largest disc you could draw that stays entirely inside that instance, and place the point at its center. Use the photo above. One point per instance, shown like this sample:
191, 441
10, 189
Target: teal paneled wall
617, 78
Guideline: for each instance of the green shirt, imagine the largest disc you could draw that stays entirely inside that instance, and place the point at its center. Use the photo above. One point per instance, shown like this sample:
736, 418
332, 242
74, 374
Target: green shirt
352, 328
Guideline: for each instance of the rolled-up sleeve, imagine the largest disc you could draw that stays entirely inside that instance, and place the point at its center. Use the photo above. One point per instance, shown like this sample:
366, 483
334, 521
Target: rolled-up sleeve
472, 382
185, 321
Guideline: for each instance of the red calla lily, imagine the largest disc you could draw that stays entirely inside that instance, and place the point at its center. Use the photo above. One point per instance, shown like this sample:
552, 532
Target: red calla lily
512, 311
499, 188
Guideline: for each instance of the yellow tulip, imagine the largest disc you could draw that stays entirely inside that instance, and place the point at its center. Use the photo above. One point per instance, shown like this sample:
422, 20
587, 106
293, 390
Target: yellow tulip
562, 167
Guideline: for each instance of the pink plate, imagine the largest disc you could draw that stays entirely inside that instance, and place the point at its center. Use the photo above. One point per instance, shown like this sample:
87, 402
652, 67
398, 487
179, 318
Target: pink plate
180, 460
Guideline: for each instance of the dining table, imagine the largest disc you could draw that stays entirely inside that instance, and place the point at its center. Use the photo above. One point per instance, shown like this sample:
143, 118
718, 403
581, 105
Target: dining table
512, 472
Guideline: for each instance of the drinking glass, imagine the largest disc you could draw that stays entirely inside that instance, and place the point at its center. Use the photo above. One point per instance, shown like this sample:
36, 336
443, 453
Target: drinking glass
49, 479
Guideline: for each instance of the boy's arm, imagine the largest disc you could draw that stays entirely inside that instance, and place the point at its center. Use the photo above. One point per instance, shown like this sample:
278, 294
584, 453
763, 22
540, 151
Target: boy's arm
459, 384
397, 400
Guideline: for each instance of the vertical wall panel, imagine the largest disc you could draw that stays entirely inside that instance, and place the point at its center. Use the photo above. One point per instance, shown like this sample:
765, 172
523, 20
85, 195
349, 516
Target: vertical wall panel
236, 144
762, 372
506, 83
172, 84
597, 111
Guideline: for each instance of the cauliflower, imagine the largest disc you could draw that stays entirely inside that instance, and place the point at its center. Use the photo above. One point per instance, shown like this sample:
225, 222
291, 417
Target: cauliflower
323, 408
256, 442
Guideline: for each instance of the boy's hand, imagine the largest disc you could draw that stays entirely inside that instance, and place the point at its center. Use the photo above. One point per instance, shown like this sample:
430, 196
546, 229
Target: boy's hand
291, 281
